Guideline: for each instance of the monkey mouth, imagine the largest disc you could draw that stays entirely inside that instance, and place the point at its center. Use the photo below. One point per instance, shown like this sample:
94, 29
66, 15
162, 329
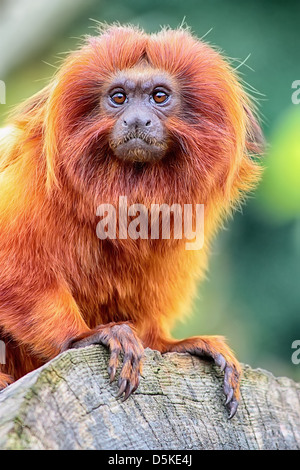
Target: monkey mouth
138, 146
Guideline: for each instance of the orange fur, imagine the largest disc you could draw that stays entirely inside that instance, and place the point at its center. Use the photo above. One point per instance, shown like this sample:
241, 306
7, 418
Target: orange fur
57, 279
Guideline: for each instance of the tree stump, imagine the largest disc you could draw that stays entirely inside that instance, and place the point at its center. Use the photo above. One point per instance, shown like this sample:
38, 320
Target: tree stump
69, 404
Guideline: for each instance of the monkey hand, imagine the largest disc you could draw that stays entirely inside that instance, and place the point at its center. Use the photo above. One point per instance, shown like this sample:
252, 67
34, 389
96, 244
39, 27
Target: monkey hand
119, 338
215, 348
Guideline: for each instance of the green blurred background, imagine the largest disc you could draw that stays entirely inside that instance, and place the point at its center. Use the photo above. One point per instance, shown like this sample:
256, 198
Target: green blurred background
252, 292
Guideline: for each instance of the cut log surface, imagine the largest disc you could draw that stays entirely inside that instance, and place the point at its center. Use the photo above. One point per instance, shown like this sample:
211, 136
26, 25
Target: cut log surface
179, 405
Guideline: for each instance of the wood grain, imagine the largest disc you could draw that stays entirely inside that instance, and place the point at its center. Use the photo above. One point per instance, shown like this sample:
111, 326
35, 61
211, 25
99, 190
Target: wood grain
69, 404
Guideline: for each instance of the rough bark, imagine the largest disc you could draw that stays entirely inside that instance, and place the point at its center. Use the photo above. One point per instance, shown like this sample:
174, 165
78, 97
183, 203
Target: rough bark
69, 404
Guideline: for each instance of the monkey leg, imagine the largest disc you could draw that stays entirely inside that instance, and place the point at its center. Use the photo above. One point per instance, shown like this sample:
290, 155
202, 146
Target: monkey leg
213, 347
120, 338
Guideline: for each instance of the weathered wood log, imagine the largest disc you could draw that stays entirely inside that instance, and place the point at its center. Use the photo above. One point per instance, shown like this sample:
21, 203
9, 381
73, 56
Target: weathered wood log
69, 404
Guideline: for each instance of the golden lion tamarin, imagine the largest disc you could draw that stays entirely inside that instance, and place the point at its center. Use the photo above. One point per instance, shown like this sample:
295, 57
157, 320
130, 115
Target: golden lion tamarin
158, 118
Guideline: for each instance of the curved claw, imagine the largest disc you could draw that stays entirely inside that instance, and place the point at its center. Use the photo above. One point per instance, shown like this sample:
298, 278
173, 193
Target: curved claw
122, 387
229, 396
128, 391
232, 406
112, 373
221, 362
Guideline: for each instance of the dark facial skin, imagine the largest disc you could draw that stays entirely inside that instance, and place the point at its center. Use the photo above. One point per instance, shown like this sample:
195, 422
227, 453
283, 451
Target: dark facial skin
140, 99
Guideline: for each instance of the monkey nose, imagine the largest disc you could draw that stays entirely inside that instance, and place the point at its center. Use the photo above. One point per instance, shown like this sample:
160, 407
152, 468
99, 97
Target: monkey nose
137, 122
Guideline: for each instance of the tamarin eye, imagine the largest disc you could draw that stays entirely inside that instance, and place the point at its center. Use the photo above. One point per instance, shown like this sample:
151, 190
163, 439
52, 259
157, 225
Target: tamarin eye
118, 98
160, 97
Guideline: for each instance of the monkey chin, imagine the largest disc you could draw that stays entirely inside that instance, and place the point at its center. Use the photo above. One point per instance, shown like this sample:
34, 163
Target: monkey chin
137, 150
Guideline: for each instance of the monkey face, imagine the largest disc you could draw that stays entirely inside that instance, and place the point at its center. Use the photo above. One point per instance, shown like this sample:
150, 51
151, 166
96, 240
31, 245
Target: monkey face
140, 99
161, 117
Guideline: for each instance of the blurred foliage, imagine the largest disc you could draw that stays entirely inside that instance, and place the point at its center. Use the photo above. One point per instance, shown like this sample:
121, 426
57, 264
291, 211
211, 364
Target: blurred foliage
280, 190
252, 293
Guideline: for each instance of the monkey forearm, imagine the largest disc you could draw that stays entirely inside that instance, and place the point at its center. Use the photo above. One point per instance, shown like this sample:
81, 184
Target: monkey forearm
45, 327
